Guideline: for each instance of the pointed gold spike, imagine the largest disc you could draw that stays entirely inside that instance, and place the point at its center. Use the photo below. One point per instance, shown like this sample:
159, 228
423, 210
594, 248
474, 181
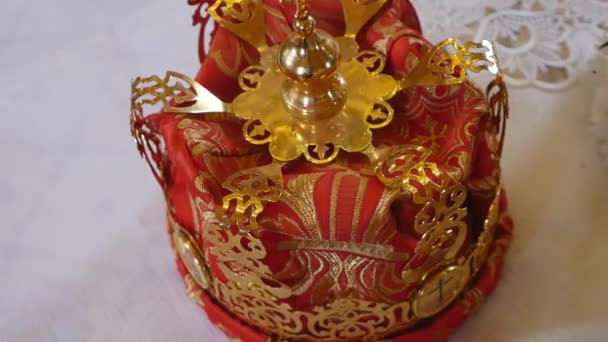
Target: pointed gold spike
359, 12
244, 18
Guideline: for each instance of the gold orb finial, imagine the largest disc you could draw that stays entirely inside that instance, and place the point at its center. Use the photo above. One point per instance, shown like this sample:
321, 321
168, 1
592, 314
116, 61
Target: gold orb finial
309, 58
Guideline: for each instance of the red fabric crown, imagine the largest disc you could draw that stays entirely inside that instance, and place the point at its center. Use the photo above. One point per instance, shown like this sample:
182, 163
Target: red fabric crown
336, 233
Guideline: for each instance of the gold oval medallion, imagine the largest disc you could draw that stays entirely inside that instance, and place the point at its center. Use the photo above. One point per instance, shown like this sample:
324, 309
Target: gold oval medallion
192, 257
440, 290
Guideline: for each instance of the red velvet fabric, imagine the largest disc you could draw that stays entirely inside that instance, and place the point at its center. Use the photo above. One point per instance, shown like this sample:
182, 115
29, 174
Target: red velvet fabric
452, 121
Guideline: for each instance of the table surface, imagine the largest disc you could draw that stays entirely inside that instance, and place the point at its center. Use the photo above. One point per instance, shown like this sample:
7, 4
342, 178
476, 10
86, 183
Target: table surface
83, 250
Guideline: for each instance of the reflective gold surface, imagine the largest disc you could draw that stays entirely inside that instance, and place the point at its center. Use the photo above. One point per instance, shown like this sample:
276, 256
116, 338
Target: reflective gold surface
443, 228
244, 18
440, 290
248, 190
177, 93
448, 62
314, 101
357, 13
191, 256
289, 136
308, 53
406, 167
253, 293
498, 99
315, 95
329, 96
305, 58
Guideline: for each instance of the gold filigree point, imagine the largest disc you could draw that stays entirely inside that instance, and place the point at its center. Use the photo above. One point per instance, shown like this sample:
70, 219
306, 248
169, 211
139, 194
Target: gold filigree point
357, 13
177, 93
448, 62
244, 18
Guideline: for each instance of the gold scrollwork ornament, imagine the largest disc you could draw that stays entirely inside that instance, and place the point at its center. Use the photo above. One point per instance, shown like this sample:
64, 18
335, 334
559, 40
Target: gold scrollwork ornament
446, 282
249, 189
252, 294
312, 96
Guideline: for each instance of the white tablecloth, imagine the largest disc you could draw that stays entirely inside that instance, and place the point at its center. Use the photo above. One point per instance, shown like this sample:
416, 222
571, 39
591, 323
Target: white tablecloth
83, 250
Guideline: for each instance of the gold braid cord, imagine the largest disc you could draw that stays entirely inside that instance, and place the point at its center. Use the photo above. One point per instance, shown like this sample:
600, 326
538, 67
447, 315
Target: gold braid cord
252, 293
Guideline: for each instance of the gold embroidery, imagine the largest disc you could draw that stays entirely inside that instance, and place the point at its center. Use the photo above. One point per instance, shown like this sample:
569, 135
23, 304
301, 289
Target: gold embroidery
358, 206
333, 205
380, 218
377, 268
239, 53
202, 138
299, 196
281, 29
365, 249
230, 71
435, 133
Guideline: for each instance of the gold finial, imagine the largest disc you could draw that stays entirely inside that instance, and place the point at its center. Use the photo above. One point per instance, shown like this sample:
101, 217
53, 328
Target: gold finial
313, 90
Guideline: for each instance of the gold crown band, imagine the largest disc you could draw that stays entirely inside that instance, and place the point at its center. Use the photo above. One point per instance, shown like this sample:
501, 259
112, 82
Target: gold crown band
249, 295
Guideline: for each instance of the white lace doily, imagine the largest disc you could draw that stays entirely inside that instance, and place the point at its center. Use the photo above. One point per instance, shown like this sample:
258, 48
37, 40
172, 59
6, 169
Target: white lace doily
542, 43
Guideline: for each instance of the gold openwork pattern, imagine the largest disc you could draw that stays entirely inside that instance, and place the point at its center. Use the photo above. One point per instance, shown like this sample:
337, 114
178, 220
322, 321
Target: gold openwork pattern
249, 189
268, 119
269, 122
368, 290
498, 99
244, 18
448, 62
177, 93
407, 167
253, 293
443, 228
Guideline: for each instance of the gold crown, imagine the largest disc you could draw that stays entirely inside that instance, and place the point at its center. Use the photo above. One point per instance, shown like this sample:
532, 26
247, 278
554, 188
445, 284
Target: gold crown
296, 118
314, 96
